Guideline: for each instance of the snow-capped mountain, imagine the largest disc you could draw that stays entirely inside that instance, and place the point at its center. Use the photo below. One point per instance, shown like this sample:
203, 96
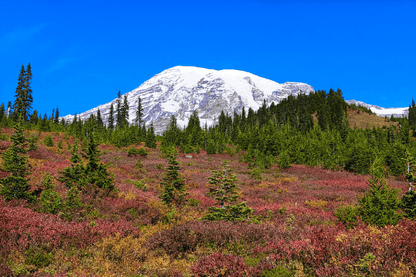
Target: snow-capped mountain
182, 89
396, 112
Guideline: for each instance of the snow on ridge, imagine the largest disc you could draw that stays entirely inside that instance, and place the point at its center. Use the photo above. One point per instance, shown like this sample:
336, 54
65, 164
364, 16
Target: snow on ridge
182, 89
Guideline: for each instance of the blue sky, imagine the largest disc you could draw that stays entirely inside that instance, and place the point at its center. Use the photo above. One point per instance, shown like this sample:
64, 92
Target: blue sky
83, 52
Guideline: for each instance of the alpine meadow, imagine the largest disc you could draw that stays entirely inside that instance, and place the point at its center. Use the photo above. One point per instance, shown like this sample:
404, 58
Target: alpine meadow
286, 181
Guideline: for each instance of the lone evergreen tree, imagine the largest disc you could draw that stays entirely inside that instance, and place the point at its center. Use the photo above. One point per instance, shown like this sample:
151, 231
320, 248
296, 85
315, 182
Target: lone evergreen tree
379, 206
16, 186
23, 94
173, 186
224, 188
56, 120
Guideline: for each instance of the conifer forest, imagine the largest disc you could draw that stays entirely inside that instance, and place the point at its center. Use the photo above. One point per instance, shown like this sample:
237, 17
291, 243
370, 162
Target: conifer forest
298, 188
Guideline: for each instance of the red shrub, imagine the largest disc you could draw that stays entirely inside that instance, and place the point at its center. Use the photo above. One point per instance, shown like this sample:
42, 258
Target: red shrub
218, 264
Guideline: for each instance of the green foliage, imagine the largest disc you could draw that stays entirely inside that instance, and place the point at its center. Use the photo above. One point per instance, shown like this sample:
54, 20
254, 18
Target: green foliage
72, 200
38, 257
16, 186
223, 187
256, 174
48, 141
408, 204
284, 160
93, 173
174, 191
140, 185
142, 152
138, 164
379, 205
60, 144
279, 271
50, 200
133, 152
348, 215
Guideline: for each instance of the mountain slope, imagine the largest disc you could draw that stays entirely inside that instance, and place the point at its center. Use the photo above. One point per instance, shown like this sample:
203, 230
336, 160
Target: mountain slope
396, 112
182, 89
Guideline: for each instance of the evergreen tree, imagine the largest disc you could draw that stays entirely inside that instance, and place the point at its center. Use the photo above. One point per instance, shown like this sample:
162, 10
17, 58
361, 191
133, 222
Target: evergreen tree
224, 188
16, 186
56, 120
100, 123
173, 186
111, 118
2, 112
379, 206
193, 130
74, 175
50, 200
124, 120
23, 94
118, 110
150, 137
139, 113
95, 171
172, 134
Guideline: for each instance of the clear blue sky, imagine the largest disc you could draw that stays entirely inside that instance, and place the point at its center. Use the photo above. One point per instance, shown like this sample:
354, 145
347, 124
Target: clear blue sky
83, 52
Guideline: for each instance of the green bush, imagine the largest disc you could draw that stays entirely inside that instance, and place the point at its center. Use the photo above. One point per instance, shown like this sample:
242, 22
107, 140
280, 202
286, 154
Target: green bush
48, 141
60, 144
348, 215
38, 257
256, 174
133, 152
279, 271
284, 160
140, 185
408, 204
142, 152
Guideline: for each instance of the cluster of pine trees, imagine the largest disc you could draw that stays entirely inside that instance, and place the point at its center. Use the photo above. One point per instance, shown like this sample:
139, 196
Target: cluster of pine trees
309, 129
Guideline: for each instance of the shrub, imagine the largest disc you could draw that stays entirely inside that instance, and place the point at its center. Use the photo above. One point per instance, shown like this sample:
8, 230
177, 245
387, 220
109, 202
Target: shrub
140, 185
284, 160
5, 271
218, 264
48, 141
408, 204
348, 215
60, 144
278, 271
38, 257
133, 152
142, 152
256, 174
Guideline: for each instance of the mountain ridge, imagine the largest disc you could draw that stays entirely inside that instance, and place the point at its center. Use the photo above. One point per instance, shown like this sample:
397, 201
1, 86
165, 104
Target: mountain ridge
182, 89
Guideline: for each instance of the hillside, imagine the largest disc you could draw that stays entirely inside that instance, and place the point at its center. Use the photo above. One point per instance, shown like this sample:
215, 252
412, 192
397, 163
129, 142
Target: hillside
361, 119
293, 230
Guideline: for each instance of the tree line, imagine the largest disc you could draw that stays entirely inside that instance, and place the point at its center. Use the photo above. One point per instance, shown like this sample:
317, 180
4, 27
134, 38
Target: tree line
308, 129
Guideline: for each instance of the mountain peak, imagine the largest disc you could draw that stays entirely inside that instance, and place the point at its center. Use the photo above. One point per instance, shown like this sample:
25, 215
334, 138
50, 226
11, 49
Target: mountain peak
182, 89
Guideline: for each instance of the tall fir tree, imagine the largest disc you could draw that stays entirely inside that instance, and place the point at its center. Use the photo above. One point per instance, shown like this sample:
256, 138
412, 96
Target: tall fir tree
111, 118
139, 112
100, 123
56, 120
124, 113
118, 109
19, 95
16, 186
